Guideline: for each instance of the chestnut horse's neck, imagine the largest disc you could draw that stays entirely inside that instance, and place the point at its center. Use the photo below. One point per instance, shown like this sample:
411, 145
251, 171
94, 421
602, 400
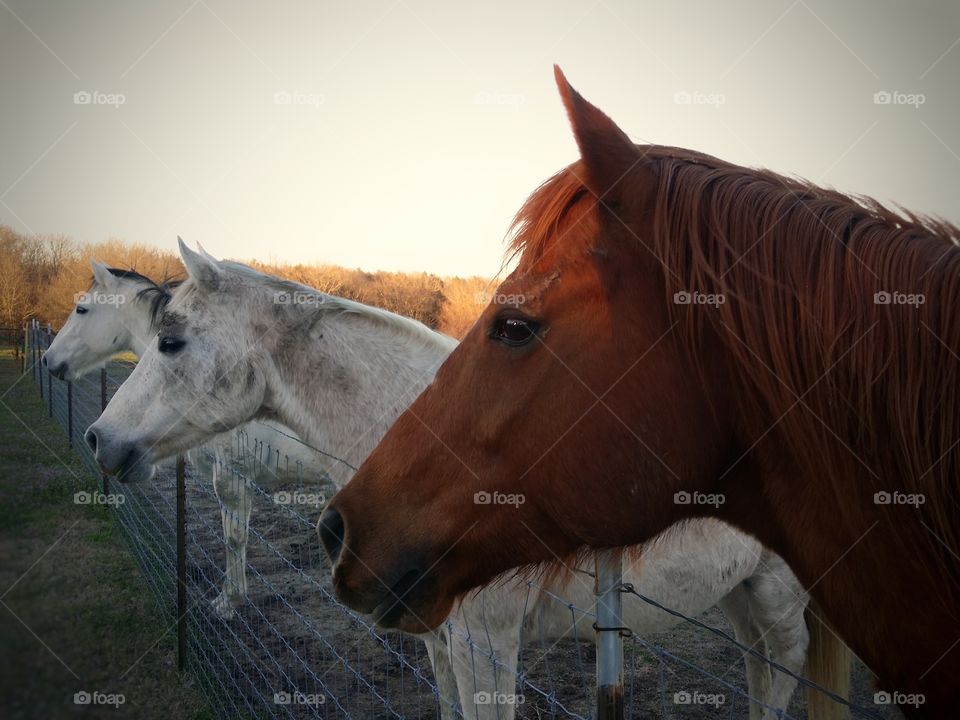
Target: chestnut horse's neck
839, 338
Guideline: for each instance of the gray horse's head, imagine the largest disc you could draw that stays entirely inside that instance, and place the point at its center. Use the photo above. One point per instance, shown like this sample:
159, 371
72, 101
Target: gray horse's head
203, 374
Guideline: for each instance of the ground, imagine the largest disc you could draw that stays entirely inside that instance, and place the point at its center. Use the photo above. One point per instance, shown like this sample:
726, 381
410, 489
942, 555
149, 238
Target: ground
75, 615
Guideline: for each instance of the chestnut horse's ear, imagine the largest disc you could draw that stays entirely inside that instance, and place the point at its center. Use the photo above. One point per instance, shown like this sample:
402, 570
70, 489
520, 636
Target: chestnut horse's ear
608, 154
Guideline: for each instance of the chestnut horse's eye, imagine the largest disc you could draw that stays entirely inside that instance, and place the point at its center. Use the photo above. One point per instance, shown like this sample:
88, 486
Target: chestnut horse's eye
170, 345
514, 331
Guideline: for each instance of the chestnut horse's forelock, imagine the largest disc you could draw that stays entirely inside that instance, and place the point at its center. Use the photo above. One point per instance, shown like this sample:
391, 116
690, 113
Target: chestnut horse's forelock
853, 387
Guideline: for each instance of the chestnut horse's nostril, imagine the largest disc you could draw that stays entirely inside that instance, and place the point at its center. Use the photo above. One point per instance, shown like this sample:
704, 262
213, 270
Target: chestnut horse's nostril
331, 533
91, 437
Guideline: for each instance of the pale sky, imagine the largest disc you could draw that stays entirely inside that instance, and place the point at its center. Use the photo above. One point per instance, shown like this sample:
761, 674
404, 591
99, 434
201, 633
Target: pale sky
411, 131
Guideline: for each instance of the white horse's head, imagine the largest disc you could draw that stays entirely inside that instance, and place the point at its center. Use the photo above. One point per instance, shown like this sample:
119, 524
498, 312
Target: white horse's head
203, 374
114, 315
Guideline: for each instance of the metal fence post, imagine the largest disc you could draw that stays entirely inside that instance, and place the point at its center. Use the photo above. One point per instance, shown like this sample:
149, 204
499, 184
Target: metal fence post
34, 351
181, 565
36, 344
609, 627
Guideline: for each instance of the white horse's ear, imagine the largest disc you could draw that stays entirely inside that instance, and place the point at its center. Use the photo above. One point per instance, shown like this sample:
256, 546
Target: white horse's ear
205, 253
201, 268
101, 273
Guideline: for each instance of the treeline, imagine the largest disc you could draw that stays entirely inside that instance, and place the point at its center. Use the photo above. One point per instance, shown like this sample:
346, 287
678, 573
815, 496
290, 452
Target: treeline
40, 276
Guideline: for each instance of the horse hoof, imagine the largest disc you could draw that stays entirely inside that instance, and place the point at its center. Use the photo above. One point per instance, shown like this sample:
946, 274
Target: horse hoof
223, 606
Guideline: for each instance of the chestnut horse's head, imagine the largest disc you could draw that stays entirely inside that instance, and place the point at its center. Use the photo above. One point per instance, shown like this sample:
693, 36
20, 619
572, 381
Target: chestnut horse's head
570, 387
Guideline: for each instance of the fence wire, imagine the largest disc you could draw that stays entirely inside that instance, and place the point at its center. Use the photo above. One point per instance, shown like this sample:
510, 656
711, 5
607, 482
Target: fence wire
284, 647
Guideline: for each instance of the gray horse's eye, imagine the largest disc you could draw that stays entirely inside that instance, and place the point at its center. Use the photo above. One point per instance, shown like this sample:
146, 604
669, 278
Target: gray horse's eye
81, 310
170, 345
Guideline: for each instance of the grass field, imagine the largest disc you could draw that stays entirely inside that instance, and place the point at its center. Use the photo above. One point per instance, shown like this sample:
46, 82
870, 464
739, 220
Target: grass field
75, 614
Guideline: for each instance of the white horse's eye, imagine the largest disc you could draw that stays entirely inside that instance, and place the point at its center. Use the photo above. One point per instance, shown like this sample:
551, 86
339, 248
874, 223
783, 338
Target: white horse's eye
81, 310
170, 345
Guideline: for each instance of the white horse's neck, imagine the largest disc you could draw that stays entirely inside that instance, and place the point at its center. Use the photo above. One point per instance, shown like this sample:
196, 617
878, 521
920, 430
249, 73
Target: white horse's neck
340, 377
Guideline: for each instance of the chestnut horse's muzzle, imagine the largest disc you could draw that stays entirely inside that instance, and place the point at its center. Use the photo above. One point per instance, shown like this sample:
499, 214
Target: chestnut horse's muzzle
391, 598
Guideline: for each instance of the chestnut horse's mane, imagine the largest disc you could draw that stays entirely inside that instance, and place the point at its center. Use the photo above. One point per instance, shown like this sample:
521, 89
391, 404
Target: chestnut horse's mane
864, 392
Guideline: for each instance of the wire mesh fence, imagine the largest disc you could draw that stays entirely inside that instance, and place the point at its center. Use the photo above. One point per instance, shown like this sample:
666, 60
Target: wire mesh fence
265, 637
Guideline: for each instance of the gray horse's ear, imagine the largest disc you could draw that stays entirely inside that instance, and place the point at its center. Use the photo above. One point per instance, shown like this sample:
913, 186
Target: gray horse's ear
201, 268
101, 273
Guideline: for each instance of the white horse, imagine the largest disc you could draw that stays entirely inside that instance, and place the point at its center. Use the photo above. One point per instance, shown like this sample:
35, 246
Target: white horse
118, 314
235, 344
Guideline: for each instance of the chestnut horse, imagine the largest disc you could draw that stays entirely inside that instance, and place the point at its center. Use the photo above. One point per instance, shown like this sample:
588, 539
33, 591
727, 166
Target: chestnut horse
692, 326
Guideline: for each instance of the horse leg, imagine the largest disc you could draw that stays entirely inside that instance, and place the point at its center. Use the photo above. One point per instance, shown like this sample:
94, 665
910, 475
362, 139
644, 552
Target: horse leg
485, 646
777, 603
736, 606
235, 499
438, 650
